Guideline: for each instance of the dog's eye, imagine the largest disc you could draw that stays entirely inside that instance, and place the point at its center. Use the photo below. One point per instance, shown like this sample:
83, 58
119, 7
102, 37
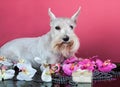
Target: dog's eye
57, 28
71, 26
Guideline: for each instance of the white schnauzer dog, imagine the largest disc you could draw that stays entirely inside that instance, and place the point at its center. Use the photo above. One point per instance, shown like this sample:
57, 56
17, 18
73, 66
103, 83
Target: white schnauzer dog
59, 43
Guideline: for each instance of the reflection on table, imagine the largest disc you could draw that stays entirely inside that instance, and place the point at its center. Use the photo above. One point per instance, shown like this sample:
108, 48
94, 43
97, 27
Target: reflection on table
108, 83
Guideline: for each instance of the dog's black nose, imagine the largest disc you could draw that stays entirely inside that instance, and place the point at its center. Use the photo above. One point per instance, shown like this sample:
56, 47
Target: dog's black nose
66, 38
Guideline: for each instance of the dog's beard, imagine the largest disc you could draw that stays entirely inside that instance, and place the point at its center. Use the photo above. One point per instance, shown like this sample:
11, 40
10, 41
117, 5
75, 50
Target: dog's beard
66, 49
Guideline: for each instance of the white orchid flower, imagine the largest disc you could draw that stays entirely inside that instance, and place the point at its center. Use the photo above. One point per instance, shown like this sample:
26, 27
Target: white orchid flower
27, 72
46, 75
4, 61
6, 74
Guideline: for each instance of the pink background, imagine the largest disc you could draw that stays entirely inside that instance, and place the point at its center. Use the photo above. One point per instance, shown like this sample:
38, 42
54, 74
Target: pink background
98, 23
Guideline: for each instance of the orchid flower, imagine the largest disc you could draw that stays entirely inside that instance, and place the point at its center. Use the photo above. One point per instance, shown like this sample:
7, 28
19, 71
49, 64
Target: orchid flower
70, 65
55, 68
4, 61
46, 75
69, 68
87, 64
26, 71
6, 73
105, 66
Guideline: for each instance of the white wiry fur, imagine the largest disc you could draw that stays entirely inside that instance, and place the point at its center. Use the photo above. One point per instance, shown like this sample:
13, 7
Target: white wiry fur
49, 48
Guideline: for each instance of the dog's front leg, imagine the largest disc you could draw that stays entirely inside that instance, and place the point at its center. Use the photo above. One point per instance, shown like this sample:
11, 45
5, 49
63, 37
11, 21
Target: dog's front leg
45, 68
43, 63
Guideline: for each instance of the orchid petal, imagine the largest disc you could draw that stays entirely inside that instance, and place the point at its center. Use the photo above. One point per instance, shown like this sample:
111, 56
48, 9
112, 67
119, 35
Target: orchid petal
22, 76
99, 62
66, 69
26, 77
9, 74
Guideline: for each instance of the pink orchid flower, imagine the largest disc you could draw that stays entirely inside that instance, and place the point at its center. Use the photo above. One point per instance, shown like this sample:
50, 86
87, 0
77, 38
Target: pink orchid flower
87, 64
69, 68
55, 67
105, 66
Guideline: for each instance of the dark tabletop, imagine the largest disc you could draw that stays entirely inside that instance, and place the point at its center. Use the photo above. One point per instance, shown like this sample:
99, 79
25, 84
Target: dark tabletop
109, 83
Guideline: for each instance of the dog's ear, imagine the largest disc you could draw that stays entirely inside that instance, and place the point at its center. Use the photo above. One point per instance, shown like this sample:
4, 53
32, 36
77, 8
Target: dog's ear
52, 16
75, 16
